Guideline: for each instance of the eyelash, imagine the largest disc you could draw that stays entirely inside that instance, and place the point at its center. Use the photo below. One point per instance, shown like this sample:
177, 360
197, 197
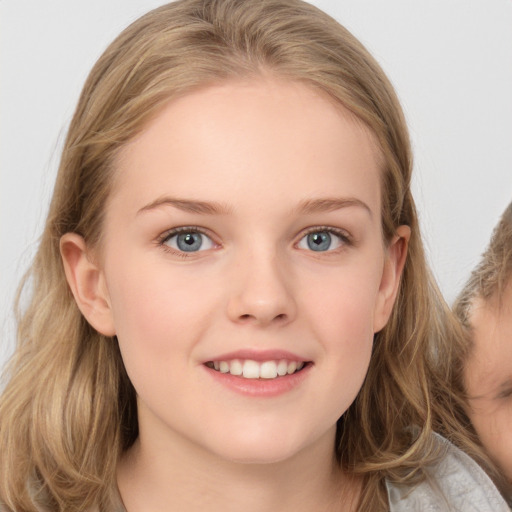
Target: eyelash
165, 237
345, 238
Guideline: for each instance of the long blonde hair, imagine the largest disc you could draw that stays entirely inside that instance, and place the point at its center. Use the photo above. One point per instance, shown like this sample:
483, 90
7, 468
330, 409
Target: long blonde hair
68, 410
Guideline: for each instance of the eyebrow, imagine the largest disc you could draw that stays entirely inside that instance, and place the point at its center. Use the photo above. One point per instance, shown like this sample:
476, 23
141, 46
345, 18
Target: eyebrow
331, 204
188, 205
309, 206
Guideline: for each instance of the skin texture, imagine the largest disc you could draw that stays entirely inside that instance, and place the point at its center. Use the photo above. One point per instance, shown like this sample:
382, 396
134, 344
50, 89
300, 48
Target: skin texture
263, 154
488, 376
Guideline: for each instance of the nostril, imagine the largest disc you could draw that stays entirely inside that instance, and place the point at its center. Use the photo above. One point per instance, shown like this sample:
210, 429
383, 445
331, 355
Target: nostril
278, 318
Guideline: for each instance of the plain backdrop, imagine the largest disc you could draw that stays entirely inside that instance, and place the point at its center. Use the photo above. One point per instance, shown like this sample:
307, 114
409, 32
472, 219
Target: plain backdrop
450, 61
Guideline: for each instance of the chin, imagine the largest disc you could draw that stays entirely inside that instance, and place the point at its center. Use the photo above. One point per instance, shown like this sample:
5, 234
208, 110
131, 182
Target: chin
263, 446
258, 455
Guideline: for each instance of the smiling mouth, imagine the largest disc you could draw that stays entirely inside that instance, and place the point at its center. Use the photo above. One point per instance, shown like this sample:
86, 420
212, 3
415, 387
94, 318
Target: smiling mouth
249, 369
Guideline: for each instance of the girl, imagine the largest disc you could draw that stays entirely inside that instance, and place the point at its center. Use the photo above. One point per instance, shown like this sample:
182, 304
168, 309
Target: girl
230, 303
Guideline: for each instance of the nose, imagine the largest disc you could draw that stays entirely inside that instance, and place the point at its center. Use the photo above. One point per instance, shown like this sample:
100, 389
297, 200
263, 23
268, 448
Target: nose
261, 291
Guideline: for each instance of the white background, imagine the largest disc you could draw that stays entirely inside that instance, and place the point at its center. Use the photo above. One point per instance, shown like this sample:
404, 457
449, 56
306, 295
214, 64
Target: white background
450, 60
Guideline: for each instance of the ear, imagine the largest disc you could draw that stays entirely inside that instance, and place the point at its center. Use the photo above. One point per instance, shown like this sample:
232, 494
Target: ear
87, 283
396, 255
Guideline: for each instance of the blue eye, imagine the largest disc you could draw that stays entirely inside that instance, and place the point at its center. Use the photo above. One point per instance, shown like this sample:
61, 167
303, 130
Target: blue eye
321, 241
188, 241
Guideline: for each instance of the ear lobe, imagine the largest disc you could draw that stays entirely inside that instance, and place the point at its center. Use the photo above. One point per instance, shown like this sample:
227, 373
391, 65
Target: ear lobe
87, 283
391, 274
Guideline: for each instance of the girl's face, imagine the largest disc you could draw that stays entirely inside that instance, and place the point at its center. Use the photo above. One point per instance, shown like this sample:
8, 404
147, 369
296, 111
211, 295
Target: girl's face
488, 375
243, 269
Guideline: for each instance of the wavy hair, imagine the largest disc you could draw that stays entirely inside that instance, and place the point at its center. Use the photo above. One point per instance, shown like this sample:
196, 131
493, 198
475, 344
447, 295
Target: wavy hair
68, 410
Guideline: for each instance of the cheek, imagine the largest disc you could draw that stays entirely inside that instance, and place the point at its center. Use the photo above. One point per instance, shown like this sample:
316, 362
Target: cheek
160, 317
343, 304
341, 317
156, 311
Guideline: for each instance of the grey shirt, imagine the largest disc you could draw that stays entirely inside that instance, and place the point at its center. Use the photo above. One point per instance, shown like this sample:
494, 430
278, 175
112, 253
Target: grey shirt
455, 484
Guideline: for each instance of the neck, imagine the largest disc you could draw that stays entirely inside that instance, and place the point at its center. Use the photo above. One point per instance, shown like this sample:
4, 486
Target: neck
180, 476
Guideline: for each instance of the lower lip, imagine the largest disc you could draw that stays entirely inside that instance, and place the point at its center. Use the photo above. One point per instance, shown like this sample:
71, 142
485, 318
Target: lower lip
260, 387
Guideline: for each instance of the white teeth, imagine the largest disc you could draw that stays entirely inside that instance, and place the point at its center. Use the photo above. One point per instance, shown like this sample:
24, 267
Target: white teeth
236, 367
250, 369
282, 368
292, 366
268, 370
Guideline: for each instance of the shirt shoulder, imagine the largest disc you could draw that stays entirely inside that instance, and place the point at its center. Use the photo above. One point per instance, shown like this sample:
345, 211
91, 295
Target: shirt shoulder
455, 484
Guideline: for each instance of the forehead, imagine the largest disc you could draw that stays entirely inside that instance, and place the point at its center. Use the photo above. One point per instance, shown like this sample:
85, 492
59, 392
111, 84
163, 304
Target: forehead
245, 132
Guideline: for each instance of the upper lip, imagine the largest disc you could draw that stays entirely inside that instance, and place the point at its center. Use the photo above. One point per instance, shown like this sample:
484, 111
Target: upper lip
259, 355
